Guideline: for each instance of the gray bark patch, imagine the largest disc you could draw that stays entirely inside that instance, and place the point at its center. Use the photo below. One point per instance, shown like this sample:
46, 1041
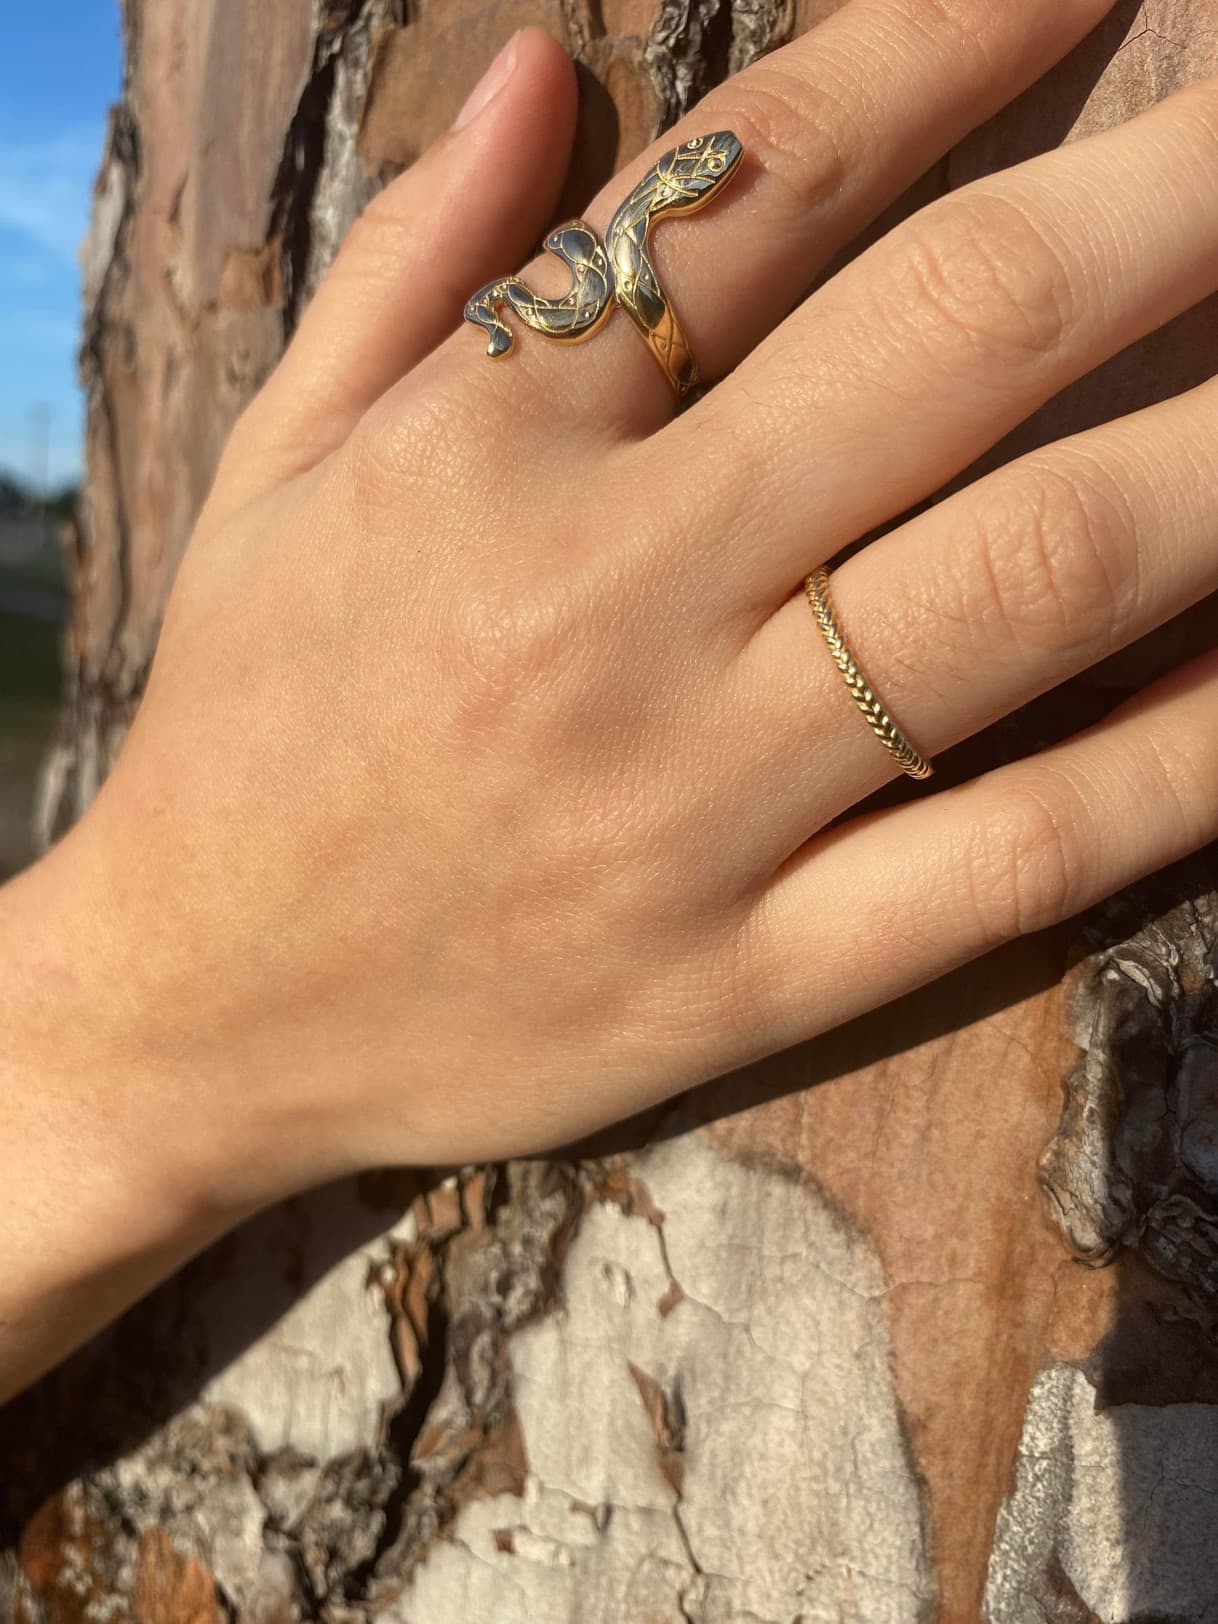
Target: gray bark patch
681, 1446
1112, 1514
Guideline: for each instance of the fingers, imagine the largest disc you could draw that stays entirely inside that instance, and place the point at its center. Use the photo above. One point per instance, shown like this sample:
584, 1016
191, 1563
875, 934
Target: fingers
927, 349
877, 907
974, 608
482, 193
834, 127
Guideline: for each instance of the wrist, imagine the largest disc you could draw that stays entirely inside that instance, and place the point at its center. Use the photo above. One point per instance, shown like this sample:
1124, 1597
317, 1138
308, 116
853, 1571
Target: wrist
164, 959
120, 1157
82, 1038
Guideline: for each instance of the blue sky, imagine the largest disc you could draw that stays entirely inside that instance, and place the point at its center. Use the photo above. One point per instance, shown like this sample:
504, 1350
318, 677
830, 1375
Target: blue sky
59, 73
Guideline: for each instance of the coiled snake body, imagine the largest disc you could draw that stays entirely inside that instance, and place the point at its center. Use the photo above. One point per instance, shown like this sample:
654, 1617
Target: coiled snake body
618, 270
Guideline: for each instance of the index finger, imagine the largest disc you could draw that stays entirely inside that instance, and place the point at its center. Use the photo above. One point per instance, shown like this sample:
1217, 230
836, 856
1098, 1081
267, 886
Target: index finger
834, 126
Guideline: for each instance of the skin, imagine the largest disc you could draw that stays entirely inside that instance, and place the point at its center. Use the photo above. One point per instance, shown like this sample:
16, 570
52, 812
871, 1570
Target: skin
482, 790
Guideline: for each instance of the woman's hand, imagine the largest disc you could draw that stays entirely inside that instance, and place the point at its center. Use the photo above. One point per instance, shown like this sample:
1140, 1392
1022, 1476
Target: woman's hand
481, 792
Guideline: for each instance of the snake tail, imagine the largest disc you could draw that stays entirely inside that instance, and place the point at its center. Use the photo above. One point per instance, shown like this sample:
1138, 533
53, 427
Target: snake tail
483, 311
574, 316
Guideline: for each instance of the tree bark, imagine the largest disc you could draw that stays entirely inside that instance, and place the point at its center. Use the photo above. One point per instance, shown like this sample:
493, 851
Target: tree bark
917, 1322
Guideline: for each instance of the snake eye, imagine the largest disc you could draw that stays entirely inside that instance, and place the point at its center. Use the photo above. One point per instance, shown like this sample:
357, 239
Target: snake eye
715, 162
692, 146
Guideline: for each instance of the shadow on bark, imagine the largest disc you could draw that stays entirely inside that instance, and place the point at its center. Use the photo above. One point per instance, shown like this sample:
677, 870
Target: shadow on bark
105, 1401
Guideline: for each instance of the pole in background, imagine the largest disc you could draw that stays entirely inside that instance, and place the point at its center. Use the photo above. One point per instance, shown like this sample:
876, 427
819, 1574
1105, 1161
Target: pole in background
40, 466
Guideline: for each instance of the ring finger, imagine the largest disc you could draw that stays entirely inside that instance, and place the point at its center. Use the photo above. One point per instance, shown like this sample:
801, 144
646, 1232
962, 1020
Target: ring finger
976, 607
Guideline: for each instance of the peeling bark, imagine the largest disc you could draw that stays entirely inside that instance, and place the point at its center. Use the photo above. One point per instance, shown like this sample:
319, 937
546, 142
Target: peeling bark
1135, 1160
863, 1333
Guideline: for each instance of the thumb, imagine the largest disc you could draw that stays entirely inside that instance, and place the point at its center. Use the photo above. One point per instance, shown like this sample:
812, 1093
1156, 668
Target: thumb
470, 208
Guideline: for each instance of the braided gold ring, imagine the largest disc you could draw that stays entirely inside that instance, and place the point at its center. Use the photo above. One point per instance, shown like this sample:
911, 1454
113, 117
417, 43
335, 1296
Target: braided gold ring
878, 720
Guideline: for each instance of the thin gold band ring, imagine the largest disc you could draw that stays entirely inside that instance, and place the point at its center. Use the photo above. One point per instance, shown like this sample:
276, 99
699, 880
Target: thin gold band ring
878, 720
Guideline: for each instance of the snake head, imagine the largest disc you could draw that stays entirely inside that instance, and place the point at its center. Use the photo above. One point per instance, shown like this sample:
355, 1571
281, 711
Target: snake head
698, 168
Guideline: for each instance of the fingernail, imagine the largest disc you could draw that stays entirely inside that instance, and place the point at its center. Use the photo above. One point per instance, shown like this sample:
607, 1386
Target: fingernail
490, 84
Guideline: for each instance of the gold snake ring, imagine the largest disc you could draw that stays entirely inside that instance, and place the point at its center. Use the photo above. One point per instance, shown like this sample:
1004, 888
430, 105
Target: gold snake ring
618, 270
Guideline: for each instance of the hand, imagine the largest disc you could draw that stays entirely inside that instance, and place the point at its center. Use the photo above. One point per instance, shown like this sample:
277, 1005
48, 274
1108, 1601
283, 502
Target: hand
483, 786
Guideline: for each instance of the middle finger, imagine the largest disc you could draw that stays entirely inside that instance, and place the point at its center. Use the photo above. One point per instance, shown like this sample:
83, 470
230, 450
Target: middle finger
924, 352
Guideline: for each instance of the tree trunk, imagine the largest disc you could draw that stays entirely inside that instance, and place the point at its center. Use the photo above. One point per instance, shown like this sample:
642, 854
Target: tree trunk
917, 1322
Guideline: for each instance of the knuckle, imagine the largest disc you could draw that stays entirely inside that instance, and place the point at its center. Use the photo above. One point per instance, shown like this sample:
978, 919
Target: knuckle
800, 133
507, 645
978, 266
1026, 861
1057, 562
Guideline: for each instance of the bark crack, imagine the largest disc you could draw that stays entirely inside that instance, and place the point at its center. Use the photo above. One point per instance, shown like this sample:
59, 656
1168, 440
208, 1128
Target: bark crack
300, 167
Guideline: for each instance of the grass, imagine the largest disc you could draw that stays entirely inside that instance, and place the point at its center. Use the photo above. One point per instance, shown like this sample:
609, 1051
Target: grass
30, 682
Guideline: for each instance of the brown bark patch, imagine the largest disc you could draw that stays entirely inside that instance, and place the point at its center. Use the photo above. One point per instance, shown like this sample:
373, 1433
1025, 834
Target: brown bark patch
66, 1554
250, 278
171, 1587
424, 71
